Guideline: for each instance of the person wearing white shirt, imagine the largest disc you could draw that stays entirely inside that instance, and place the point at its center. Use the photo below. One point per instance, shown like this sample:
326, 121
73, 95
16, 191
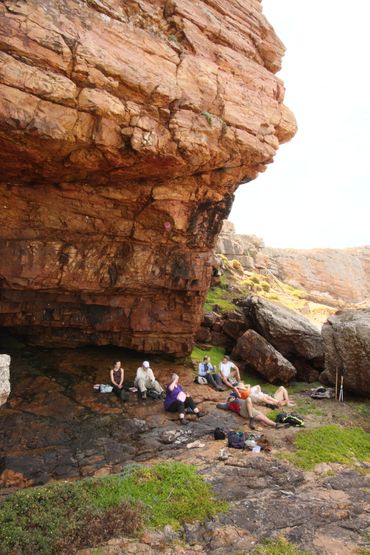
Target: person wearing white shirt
145, 380
229, 373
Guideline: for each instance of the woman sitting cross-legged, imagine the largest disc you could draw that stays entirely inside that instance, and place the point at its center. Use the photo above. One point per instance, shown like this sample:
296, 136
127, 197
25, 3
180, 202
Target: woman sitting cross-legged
178, 401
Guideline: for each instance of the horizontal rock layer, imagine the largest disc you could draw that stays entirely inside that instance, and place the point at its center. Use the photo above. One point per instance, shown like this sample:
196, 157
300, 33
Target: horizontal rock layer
125, 128
332, 274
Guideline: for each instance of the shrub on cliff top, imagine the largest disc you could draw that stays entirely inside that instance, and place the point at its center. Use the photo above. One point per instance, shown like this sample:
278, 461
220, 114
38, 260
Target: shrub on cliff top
62, 518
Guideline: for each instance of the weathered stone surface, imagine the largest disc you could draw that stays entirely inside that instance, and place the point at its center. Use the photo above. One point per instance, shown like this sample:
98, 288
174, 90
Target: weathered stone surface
290, 333
324, 273
259, 354
346, 338
4, 378
125, 128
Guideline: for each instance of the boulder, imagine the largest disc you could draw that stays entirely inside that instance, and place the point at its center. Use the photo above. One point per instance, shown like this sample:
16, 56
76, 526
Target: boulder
346, 338
262, 357
4, 378
290, 333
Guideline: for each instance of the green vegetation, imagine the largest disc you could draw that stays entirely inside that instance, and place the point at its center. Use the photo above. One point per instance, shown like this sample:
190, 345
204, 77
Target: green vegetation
330, 444
208, 116
172, 38
218, 296
278, 546
362, 408
50, 519
216, 354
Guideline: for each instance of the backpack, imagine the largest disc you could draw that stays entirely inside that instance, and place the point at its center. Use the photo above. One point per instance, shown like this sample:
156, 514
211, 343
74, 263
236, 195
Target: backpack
236, 440
153, 394
200, 380
219, 433
322, 393
293, 419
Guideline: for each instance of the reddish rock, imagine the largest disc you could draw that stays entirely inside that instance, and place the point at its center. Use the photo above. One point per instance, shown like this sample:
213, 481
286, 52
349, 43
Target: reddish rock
125, 128
262, 357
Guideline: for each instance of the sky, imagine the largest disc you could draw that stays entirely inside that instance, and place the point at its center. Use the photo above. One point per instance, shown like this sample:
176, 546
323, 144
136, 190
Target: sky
317, 191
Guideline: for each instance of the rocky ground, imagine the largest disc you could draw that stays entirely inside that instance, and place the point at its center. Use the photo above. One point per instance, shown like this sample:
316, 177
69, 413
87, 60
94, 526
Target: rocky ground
55, 426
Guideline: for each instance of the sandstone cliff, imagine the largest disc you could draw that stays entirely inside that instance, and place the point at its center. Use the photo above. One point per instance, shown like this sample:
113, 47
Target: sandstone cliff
125, 128
332, 274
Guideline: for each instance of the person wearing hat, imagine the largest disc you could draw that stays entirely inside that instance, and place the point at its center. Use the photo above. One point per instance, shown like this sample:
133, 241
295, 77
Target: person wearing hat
145, 380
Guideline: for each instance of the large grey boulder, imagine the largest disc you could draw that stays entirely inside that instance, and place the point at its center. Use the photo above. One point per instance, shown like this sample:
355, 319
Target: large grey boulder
259, 354
346, 338
290, 333
4, 378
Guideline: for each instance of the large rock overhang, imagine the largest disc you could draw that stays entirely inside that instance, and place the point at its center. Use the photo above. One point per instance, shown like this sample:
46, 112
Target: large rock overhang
125, 128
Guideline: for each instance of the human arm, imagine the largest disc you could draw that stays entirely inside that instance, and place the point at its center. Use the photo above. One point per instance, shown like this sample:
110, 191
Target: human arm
174, 382
234, 366
122, 378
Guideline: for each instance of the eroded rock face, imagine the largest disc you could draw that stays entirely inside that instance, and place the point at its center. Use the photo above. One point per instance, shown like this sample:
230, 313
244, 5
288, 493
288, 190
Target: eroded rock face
290, 333
256, 352
4, 378
333, 276
346, 338
125, 128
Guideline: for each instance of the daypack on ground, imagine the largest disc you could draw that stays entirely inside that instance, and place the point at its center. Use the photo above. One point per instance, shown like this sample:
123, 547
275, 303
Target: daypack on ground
236, 440
322, 393
153, 394
219, 433
293, 419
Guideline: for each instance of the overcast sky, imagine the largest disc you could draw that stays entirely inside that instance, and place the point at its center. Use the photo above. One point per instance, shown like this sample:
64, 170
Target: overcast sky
317, 191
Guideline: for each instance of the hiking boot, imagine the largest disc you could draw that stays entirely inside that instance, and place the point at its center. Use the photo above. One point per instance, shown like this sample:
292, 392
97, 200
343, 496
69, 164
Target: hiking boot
280, 425
183, 422
200, 414
252, 423
143, 395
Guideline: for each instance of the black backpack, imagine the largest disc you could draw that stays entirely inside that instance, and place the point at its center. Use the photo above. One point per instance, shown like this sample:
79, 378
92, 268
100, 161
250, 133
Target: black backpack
219, 433
236, 440
153, 394
293, 419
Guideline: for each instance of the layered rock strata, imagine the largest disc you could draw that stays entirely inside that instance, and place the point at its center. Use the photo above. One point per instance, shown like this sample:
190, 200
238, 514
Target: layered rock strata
125, 128
332, 275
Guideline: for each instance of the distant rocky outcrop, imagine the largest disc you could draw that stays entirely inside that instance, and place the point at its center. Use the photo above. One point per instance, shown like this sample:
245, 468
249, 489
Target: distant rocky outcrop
4, 378
125, 128
346, 338
331, 274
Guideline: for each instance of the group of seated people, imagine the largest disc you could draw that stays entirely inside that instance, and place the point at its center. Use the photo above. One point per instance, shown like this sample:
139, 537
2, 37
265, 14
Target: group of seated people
241, 399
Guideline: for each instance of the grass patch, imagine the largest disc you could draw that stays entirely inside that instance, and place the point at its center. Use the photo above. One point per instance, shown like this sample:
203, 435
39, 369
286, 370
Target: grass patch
329, 444
49, 520
218, 296
216, 354
362, 408
278, 546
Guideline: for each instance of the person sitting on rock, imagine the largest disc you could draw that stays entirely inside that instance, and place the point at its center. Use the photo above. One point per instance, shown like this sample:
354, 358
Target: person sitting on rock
229, 373
178, 401
244, 407
207, 370
280, 398
145, 380
117, 377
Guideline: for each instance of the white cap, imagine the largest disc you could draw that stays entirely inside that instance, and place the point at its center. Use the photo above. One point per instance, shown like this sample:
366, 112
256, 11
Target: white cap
146, 364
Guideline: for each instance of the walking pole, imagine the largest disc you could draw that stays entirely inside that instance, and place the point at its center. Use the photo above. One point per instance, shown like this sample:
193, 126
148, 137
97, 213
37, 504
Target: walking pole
336, 382
341, 386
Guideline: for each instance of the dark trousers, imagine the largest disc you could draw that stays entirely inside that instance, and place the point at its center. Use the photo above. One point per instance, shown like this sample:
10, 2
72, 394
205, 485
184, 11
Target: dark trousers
214, 380
121, 393
180, 406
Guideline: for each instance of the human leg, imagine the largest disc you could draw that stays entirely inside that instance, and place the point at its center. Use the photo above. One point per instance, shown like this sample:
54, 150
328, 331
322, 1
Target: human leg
189, 403
212, 381
156, 386
282, 396
264, 420
179, 407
